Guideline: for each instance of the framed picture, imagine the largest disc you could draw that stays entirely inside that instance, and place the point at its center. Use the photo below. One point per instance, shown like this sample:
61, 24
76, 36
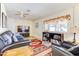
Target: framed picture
4, 20
37, 25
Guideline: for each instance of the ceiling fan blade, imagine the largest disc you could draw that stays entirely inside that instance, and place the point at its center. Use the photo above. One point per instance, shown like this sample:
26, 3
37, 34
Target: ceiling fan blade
18, 13
26, 14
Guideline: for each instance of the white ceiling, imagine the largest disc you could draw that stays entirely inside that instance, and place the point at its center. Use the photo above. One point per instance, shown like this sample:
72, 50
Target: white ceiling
38, 10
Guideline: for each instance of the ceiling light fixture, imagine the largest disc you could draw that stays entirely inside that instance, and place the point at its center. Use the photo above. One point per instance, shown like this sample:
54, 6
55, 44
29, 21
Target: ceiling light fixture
22, 13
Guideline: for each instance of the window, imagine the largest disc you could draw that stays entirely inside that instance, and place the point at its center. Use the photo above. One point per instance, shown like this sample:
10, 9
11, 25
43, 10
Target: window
51, 27
63, 26
60, 26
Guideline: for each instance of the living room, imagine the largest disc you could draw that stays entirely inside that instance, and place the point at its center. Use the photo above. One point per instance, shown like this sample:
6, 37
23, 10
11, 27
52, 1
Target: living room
38, 21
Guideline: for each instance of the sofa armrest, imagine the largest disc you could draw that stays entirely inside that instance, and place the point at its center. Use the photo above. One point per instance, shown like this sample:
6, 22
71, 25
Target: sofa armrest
0, 54
15, 45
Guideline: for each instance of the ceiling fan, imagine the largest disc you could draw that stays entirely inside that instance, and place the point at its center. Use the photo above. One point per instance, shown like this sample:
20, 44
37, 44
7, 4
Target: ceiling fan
22, 13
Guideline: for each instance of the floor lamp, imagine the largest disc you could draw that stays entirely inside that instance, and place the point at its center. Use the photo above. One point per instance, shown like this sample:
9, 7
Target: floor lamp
74, 30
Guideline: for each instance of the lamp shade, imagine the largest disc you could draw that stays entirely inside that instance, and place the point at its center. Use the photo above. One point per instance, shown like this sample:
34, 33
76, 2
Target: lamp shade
74, 29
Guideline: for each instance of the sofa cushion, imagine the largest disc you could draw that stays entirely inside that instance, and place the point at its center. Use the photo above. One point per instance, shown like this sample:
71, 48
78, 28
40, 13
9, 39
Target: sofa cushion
1, 44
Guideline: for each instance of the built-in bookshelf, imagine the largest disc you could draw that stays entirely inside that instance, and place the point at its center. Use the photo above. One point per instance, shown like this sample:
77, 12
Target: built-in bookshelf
23, 30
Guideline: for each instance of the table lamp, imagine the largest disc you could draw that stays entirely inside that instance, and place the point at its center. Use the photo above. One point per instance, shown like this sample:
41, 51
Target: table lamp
74, 30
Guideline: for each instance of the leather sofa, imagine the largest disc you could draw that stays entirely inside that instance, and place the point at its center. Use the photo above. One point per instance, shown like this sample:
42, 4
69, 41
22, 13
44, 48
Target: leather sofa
8, 40
59, 51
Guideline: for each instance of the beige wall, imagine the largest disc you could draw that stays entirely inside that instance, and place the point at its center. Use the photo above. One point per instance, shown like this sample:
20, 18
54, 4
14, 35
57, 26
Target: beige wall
38, 31
77, 15
13, 23
74, 12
